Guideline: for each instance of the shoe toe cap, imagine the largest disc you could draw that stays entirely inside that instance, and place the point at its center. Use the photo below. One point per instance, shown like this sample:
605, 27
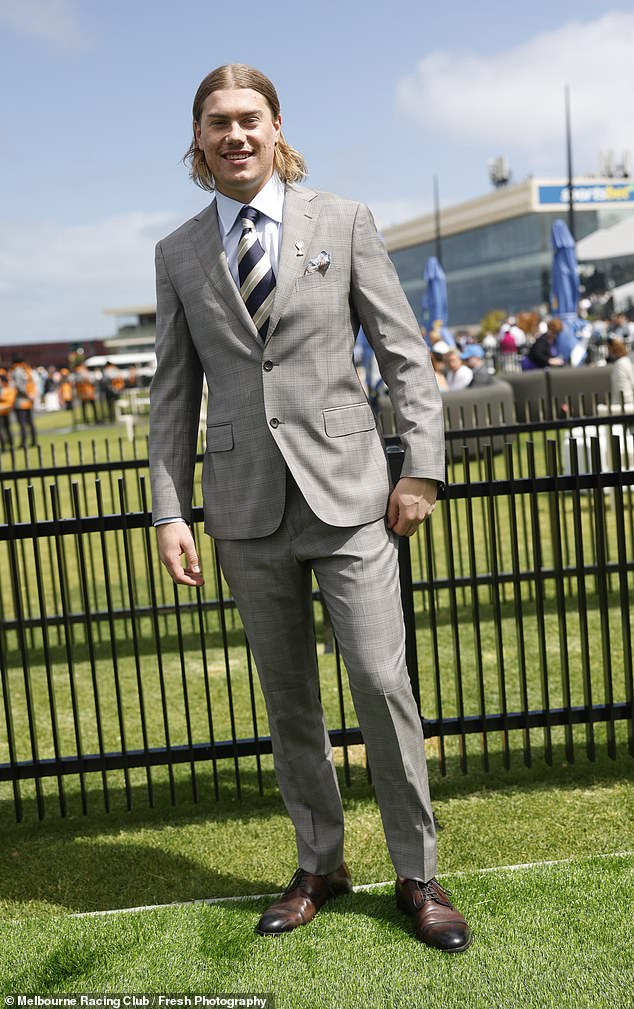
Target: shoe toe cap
274, 924
452, 938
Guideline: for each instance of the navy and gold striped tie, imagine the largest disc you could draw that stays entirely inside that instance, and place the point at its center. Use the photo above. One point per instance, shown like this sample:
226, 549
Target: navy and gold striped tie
255, 273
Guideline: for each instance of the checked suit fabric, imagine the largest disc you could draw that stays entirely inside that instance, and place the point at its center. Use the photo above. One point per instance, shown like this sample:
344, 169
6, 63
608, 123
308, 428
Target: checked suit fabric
326, 436
255, 273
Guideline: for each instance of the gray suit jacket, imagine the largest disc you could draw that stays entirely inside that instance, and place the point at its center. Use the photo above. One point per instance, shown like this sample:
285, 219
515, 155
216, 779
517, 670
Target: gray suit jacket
296, 399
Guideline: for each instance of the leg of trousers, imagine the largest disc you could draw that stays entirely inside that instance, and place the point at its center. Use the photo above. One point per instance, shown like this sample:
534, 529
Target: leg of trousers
357, 571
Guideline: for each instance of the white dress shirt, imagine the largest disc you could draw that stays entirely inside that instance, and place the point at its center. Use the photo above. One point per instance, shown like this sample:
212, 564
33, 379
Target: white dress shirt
270, 202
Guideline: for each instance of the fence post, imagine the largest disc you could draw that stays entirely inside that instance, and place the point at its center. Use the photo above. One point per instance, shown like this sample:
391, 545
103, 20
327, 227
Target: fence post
395, 458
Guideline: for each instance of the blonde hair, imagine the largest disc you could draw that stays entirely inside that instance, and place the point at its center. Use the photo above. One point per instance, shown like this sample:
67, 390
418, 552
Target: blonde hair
288, 163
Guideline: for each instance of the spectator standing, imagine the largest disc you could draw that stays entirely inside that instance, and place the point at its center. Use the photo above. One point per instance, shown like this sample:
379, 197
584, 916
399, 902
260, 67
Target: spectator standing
65, 389
511, 337
8, 395
23, 378
85, 389
113, 382
508, 343
50, 392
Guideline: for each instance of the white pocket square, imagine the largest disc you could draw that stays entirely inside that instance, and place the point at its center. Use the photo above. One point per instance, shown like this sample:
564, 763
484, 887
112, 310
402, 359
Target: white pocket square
320, 262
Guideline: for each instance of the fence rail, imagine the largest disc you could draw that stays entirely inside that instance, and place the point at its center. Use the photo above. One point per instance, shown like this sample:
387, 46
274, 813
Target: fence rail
516, 598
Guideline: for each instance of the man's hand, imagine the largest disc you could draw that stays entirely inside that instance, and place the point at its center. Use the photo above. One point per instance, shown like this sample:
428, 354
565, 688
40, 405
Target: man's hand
174, 540
411, 502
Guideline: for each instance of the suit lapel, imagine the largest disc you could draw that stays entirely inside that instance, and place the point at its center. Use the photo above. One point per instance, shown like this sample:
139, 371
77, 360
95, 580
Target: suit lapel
205, 237
298, 223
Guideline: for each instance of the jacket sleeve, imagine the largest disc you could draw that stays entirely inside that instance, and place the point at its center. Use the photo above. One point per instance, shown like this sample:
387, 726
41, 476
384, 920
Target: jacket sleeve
394, 335
175, 397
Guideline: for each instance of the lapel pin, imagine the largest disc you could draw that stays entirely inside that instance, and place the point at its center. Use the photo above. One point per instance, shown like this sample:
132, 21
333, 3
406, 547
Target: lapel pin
300, 248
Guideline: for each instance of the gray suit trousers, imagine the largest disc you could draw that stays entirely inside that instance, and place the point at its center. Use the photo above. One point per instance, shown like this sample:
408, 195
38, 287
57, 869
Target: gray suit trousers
357, 571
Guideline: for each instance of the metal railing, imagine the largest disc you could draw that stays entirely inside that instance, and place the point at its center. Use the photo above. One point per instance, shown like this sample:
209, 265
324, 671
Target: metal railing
516, 598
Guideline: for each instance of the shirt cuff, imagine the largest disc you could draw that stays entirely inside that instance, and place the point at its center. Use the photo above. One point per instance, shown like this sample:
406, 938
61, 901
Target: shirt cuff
164, 522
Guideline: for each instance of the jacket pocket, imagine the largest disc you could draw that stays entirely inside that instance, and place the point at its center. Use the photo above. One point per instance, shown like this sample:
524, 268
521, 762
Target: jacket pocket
317, 279
219, 437
353, 419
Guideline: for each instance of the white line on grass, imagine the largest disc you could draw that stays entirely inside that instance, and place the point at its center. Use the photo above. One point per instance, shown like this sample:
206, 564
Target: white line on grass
357, 889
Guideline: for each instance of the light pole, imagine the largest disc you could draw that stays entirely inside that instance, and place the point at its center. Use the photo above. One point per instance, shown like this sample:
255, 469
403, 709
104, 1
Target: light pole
437, 220
571, 202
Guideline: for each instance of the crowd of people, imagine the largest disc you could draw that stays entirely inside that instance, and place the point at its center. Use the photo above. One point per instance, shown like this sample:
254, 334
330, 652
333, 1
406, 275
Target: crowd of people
461, 362
26, 391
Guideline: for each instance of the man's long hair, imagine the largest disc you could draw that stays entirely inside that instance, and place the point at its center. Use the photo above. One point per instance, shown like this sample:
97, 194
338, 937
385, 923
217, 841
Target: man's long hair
288, 163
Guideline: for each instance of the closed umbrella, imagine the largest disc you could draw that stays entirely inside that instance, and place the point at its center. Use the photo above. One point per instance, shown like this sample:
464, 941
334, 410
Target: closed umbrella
435, 295
565, 288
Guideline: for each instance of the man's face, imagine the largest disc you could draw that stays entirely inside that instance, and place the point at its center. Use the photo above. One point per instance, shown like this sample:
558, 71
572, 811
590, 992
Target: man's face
238, 136
452, 361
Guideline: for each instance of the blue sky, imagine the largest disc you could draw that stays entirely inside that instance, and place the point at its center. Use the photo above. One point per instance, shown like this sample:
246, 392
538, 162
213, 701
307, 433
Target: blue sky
96, 105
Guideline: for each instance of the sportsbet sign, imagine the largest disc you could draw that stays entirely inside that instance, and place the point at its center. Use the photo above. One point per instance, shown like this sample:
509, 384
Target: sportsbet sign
592, 193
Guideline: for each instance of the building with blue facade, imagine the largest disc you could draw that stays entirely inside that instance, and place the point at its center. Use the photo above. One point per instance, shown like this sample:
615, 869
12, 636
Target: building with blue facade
496, 249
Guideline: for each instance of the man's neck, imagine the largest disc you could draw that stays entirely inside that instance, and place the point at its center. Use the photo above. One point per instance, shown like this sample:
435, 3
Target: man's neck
245, 197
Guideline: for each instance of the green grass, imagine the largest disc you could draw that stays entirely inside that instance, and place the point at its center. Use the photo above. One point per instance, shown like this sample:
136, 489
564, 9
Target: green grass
543, 939
549, 936
241, 846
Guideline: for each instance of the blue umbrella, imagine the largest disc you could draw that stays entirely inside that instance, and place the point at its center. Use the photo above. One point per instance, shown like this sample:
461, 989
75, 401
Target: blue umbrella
435, 296
565, 288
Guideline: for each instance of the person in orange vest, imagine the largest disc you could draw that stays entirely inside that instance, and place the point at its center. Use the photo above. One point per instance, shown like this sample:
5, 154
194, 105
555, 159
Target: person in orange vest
8, 396
113, 383
23, 377
65, 389
85, 389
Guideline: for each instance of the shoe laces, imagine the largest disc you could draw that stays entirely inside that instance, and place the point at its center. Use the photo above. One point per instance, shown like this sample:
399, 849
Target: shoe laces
296, 880
432, 890
300, 876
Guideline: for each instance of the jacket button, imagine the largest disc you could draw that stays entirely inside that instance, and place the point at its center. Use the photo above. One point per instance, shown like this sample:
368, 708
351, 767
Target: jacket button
274, 422
268, 366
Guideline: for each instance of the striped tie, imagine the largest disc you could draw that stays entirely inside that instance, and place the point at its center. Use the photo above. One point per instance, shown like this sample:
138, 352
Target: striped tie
255, 273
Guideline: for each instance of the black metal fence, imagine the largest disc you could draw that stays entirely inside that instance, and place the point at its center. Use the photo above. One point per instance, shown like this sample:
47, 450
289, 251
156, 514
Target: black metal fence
516, 597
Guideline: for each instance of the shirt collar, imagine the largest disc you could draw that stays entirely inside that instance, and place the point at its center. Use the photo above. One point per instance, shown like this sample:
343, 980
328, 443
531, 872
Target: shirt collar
269, 201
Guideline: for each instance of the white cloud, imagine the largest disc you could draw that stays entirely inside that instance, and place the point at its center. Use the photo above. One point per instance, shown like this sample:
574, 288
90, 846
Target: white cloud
54, 22
57, 280
514, 100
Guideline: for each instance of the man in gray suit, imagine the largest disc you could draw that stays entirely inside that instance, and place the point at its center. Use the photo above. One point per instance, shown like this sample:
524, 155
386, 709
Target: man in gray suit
263, 293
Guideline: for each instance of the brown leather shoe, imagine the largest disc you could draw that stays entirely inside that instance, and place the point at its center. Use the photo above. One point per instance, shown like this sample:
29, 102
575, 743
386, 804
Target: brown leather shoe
301, 900
438, 923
